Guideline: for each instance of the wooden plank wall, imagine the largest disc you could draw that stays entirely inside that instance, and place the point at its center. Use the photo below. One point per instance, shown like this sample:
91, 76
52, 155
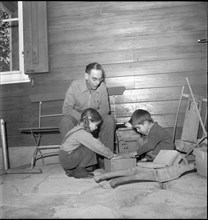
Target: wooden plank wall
148, 47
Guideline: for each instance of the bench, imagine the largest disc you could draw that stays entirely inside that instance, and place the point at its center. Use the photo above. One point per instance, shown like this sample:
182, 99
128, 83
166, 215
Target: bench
39, 131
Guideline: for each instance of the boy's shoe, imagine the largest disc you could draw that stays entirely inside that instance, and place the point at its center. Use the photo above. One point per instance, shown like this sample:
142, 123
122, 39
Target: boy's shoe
91, 168
81, 172
69, 172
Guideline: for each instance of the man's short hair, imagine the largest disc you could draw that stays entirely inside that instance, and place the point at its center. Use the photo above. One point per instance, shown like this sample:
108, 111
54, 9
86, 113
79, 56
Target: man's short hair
95, 66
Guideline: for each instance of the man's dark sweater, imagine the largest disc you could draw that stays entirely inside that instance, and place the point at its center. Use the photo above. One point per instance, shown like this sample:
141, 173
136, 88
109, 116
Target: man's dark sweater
157, 139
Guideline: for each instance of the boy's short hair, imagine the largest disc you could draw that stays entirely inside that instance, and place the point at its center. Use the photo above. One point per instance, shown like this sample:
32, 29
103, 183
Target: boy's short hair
140, 116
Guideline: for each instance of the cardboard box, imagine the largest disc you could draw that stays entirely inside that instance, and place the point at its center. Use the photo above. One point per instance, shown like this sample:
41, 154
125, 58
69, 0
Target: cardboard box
119, 164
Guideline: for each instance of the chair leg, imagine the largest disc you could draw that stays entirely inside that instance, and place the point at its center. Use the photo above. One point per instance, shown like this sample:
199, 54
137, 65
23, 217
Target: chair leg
37, 141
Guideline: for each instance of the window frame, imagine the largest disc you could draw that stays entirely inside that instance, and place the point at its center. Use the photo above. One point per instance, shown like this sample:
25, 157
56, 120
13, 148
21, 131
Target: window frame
17, 76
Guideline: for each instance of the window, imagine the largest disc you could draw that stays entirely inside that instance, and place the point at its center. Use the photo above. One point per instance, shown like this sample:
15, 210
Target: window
25, 50
12, 44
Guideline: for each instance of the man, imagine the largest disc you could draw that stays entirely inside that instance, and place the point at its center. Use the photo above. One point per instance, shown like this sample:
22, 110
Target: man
89, 92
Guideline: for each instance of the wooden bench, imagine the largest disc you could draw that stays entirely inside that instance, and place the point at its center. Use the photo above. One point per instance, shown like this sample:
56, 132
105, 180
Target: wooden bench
39, 131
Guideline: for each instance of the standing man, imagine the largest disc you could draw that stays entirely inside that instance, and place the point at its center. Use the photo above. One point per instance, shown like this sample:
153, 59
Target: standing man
89, 92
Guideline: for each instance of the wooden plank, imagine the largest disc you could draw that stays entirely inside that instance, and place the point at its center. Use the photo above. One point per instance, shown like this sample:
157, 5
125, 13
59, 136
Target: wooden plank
19, 140
125, 43
158, 107
47, 97
43, 37
35, 28
169, 52
155, 94
13, 102
35, 31
27, 8
123, 30
28, 140
144, 6
168, 80
73, 8
77, 8
14, 89
63, 74
85, 8
18, 115
155, 67
157, 80
50, 87
146, 25
12, 128
79, 58
123, 17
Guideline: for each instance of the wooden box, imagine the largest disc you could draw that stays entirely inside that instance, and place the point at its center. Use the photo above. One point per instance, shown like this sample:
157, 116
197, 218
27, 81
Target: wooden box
168, 158
127, 140
119, 164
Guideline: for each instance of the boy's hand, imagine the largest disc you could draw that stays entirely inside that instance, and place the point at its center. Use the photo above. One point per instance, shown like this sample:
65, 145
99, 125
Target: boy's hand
116, 156
133, 154
128, 125
124, 155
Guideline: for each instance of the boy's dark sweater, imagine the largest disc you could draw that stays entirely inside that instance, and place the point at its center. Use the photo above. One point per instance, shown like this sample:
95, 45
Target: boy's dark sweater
157, 139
